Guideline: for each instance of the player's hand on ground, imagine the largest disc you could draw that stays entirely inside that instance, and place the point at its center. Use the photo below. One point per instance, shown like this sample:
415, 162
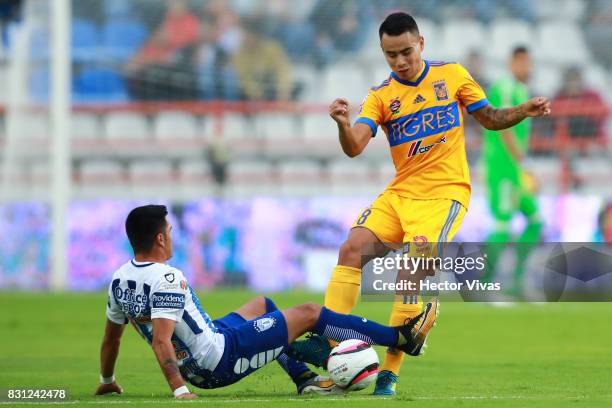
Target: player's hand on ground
339, 111
109, 388
538, 106
187, 395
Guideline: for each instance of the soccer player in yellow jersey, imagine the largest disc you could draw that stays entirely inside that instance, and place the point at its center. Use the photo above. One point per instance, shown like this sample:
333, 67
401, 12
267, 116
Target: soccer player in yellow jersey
420, 109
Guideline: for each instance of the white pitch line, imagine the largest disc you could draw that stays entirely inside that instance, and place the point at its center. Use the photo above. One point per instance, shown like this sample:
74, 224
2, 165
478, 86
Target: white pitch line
203, 400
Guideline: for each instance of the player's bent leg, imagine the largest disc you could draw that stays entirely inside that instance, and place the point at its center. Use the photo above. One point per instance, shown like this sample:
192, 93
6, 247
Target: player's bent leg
253, 308
324, 322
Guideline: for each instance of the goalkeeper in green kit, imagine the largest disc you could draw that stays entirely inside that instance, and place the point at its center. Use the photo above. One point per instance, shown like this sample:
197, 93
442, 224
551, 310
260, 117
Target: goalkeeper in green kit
510, 189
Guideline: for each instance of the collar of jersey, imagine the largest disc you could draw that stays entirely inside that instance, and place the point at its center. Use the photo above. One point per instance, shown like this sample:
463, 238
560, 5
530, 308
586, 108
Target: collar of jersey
410, 83
141, 264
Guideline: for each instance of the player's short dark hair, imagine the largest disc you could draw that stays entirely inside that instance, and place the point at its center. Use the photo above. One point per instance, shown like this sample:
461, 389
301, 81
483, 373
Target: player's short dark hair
519, 49
397, 24
143, 224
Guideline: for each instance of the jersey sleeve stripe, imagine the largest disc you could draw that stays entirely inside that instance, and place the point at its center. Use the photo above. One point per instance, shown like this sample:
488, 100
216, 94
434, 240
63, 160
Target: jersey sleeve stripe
477, 105
368, 122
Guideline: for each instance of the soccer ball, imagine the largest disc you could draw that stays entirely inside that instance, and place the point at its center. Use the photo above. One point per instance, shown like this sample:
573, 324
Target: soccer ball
353, 365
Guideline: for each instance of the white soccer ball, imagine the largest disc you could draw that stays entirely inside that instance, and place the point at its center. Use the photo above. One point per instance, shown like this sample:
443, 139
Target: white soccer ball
353, 365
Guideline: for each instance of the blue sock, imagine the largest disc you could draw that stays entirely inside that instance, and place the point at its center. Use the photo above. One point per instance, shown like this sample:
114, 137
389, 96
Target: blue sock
342, 327
294, 368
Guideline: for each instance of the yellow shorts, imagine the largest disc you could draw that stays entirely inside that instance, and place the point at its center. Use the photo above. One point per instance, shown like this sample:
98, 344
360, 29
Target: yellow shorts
396, 219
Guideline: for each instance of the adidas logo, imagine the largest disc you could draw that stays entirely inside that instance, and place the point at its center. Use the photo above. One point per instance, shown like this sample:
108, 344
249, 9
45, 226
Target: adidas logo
418, 99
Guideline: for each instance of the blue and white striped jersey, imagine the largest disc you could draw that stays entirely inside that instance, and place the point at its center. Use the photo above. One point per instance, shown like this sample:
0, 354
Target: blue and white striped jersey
141, 291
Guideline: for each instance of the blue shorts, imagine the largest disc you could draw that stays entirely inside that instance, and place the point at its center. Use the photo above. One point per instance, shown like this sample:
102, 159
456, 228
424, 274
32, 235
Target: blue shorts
249, 345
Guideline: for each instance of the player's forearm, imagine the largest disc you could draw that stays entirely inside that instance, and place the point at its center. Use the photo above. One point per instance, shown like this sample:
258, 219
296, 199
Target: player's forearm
350, 146
499, 119
168, 364
108, 356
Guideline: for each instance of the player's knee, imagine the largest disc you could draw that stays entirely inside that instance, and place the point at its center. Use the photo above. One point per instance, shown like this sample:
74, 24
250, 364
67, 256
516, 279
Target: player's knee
310, 311
260, 304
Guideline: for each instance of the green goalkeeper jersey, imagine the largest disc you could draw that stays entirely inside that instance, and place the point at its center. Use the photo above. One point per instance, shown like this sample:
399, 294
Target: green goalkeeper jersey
505, 93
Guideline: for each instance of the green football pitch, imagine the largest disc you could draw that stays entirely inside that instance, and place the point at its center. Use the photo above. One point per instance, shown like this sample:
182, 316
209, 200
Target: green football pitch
479, 355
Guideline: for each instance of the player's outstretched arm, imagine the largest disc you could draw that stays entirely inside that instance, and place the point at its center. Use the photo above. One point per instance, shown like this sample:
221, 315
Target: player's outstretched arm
353, 139
108, 356
164, 351
498, 119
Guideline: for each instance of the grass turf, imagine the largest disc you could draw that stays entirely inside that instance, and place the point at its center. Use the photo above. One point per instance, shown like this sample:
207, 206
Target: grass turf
478, 355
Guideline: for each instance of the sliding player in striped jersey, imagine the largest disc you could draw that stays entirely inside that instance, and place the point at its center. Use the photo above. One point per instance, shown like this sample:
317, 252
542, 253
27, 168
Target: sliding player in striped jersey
158, 301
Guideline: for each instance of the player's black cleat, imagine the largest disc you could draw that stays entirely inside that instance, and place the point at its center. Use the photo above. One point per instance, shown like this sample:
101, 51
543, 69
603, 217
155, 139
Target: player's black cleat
415, 331
314, 350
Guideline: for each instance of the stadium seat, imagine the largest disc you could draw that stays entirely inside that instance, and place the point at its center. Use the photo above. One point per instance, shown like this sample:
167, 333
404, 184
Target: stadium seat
175, 125
250, 177
100, 172
460, 37
343, 80
85, 40
385, 173
273, 126
35, 127
546, 80
40, 171
125, 126
99, 85
150, 172
352, 176
39, 84
434, 48
569, 10
194, 171
40, 44
561, 42
593, 174
122, 38
234, 126
85, 126
318, 126
300, 177
507, 34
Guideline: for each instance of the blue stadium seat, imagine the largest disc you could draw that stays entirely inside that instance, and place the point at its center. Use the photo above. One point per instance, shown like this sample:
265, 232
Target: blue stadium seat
122, 38
40, 43
99, 85
85, 40
39, 84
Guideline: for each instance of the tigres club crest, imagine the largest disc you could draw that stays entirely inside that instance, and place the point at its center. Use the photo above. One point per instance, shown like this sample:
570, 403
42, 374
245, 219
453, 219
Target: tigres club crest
440, 90
395, 105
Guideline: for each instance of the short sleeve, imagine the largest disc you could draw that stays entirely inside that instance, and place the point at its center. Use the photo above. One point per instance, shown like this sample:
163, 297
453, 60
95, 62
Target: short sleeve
168, 294
114, 313
469, 92
370, 112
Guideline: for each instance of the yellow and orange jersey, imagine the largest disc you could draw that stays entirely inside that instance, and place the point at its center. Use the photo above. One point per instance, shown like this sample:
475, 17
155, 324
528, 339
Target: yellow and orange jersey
423, 121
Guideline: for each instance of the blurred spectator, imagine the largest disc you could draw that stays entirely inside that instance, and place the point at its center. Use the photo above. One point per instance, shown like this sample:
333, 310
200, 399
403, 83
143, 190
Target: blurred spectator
487, 10
263, 67
220, 38
599, 30
573, 90
10, 10
180, 25
474, 63
162, 69
340, 24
